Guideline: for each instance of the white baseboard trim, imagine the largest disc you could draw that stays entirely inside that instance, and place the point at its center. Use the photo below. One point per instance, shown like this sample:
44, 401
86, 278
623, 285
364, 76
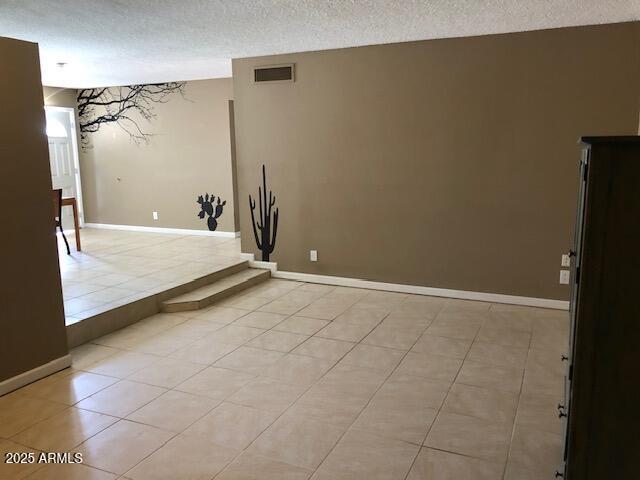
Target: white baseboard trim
34, 374
401, 288
176, 231
253, 263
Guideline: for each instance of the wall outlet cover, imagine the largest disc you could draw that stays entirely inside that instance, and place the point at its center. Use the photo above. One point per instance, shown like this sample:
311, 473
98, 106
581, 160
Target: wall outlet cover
155, 215
313, 255
566, 260
564, 277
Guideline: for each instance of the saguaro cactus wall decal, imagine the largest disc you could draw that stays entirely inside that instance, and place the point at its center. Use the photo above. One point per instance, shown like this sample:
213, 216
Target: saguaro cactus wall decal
266, 241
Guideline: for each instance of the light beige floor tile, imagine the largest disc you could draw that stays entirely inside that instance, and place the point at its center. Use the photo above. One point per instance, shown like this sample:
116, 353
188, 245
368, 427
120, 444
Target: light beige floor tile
174, 410
264, 320
426, 365
284, 306
543, 384
203, 352
297, 441
301, 325
474, 306
232, 426
396, 320
75, 471
249, 360
368, 317
505, 337
410, 391
510, 321
494, 406
490, 376
234, 334
545, 362
539, 412
64, 430
88, 354
323, 310
122, 364
460, 332
356, 381
222, 315
213, 382
470, 436
256, 467
122, 445
407, 423
371, 457
167, 373
329, 405
18, 412
376, 358
392, 337
500, 355
162, 344
298, 369
346, 332
194, 329
460, 318
184, 457
277, 341
68, 389
121, 399
247, 302
328, 349
447, 347
267, 394
531, 449
513, 472
11, 471
437, 465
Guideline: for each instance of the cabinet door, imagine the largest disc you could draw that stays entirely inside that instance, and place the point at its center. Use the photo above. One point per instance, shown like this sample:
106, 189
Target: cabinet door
575, 286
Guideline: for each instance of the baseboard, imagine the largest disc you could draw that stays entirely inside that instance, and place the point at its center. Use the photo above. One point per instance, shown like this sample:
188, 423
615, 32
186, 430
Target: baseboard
418, 290
32, 375
177, 231
401, 288
253, 263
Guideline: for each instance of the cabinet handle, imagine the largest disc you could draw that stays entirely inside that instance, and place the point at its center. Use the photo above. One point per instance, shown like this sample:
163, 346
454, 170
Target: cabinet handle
561, 412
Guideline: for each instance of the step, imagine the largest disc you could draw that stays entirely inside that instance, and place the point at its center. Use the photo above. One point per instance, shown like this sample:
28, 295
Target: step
207, 295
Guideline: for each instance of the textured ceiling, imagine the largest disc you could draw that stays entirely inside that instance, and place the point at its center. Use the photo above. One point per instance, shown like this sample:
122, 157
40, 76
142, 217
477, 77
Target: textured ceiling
118, 42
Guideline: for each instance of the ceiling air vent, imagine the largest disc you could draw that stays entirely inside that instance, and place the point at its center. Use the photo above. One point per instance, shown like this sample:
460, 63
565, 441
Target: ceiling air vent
273, 73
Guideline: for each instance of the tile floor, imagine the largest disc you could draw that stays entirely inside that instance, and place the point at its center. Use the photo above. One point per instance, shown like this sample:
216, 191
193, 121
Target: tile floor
118, 267
296, 381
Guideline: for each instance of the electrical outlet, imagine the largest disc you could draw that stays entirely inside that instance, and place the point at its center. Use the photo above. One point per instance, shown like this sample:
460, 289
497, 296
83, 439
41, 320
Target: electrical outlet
155, 215
566, 260
564, 277
313, 255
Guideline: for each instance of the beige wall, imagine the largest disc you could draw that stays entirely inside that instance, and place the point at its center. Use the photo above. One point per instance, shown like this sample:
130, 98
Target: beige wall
448, 163
31, 312
189, 155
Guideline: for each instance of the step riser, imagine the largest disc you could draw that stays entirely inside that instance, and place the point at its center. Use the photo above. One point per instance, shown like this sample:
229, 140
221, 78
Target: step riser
205, 302
202, 281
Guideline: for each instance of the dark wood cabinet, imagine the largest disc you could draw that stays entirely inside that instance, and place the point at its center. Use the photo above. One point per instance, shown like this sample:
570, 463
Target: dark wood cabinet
602, 393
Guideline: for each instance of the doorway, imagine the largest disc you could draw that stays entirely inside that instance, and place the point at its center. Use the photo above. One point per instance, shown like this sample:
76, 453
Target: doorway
63, 157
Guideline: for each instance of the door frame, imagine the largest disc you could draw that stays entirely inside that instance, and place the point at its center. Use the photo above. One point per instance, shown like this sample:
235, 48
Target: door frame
71, 112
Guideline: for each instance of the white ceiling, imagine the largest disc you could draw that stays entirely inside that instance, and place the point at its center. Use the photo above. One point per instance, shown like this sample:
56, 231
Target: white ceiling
120, 42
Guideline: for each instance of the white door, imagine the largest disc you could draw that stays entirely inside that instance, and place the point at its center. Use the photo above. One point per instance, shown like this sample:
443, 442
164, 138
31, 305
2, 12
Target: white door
63, 155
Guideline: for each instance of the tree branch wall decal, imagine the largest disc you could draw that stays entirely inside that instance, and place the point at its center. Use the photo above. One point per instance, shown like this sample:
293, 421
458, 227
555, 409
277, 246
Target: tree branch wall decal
120, 105
266, 241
